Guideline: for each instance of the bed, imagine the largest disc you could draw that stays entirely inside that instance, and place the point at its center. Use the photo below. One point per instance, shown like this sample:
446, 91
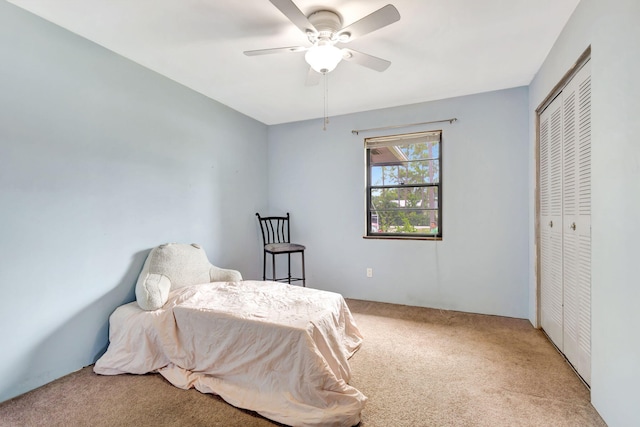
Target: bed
270, 347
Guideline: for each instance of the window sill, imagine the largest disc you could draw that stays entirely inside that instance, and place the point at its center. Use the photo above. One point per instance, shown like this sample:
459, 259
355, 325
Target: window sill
401, 238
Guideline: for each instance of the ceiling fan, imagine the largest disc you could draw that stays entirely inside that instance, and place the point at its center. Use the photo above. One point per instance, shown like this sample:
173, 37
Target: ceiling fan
324, 30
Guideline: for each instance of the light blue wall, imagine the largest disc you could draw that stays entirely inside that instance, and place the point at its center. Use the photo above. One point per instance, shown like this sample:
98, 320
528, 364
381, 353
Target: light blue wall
100, 160
480, 265
612, 30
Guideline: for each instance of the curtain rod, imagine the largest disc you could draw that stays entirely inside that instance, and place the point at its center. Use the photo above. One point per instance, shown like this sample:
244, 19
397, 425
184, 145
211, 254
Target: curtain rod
357, 132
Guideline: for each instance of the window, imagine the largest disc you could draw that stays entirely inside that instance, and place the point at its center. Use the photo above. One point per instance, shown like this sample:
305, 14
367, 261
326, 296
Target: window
404, 193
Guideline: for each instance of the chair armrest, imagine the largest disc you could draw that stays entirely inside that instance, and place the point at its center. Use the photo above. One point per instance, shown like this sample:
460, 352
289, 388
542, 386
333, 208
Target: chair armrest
224, 275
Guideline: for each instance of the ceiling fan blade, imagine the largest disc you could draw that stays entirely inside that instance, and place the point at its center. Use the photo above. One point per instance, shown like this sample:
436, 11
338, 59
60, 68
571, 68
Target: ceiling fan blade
365, 60
372, 22
275, 50
313, 77
295, 15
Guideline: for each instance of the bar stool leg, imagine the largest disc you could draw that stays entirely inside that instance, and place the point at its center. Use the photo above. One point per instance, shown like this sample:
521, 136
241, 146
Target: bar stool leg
273, 270
304, 282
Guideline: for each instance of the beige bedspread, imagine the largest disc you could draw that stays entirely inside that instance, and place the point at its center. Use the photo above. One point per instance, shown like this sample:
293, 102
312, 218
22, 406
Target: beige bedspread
276, 349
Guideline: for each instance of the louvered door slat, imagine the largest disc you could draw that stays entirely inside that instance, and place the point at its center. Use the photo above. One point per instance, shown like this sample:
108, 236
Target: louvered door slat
583, 363
584, 143
544, 167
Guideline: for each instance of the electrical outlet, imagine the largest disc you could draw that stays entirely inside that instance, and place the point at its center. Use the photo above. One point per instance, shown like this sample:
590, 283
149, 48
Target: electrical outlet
369, 272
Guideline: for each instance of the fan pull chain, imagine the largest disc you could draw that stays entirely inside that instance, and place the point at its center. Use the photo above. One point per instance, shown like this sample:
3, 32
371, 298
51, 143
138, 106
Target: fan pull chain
326, 101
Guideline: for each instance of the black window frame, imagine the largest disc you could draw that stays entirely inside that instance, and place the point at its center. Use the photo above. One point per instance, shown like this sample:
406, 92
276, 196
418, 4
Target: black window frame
402, 140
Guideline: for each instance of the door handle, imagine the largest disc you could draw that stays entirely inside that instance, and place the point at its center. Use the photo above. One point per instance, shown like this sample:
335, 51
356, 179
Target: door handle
573, 226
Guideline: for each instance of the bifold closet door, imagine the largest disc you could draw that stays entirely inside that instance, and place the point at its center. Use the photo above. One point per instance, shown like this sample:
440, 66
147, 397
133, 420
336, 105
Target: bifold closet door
565, 221
551, 264
576, 211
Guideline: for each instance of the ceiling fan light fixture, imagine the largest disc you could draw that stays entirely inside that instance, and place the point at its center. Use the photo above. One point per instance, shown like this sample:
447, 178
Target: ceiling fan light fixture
323, 58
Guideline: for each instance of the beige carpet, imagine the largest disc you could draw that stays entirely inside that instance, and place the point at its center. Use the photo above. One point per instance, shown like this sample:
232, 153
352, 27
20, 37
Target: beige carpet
419, 367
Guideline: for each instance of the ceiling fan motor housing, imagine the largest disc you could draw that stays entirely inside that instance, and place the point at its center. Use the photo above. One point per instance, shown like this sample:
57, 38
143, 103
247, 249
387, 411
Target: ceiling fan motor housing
326, 22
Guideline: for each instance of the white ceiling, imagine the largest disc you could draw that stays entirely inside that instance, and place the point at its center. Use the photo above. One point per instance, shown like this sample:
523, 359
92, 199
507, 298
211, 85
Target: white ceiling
439, 48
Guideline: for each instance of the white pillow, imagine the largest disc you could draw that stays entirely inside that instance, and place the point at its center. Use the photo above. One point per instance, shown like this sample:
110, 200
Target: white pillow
172, 266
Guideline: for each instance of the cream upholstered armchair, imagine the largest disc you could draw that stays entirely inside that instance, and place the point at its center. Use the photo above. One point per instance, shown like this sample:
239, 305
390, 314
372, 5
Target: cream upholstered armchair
175, 265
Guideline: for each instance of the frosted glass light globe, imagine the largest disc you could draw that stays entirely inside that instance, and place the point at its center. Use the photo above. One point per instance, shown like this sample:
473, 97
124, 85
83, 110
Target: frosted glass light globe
323, 58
